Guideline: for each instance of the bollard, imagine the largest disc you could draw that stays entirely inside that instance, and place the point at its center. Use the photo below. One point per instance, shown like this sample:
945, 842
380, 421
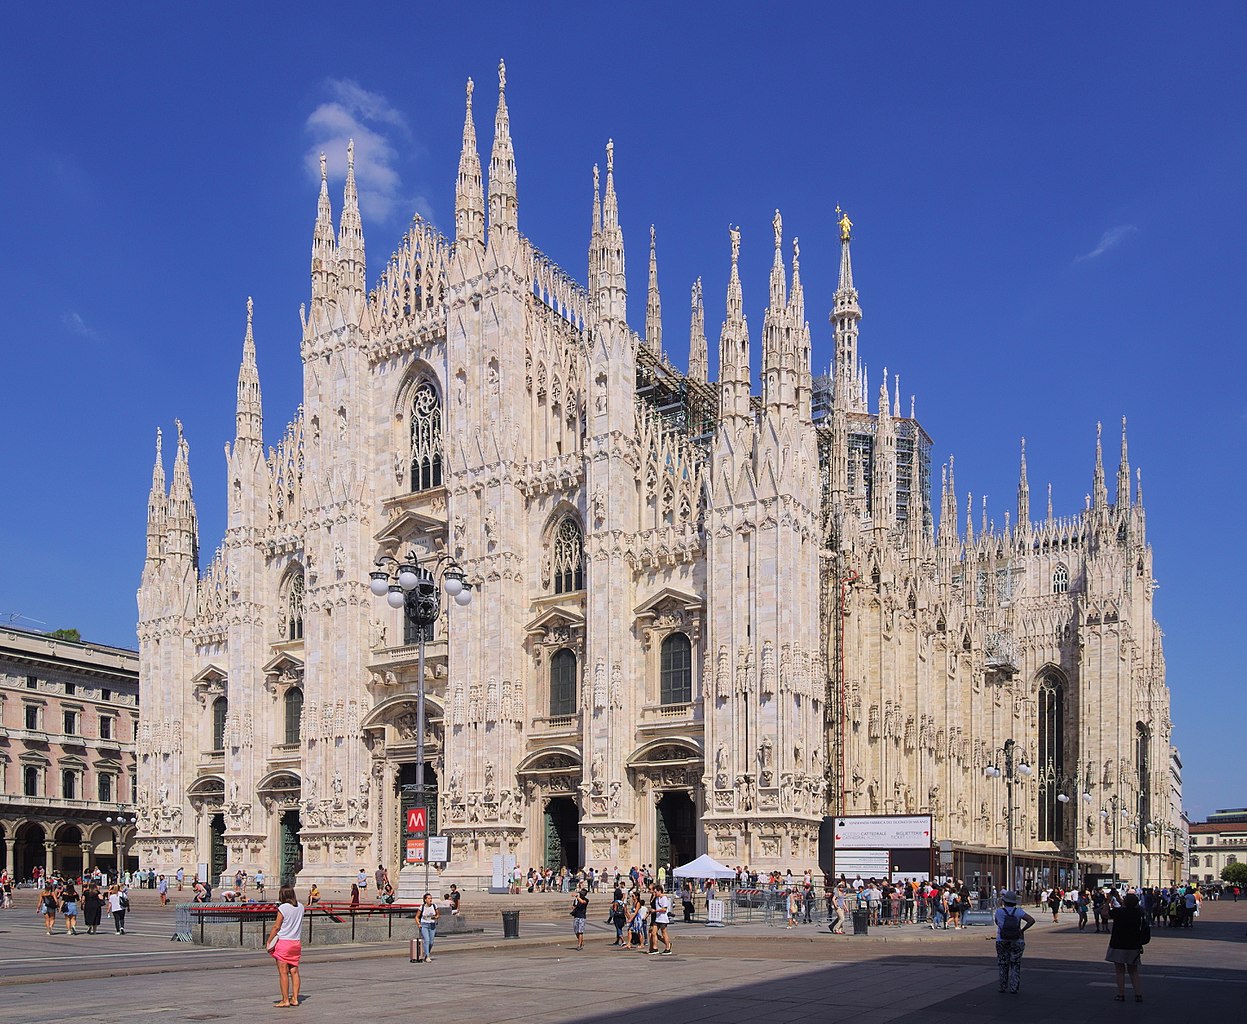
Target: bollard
510, 924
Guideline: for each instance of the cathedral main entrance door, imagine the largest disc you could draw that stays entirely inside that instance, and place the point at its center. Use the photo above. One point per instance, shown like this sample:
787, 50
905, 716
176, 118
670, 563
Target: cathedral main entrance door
291, 848
562, 833
216, 862
676, 820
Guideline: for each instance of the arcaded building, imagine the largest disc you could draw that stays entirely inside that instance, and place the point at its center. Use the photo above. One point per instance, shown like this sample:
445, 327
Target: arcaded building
69, 711
710, 610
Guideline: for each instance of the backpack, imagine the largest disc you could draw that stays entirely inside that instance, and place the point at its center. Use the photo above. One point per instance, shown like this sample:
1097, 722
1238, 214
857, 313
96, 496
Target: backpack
1011, 927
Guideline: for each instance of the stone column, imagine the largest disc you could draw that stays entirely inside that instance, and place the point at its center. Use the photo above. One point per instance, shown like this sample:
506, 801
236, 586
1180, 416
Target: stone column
48, 847
10, 849
87, 850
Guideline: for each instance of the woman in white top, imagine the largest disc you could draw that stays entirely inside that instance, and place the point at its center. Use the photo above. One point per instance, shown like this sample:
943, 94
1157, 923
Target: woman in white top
118, 901
285, 945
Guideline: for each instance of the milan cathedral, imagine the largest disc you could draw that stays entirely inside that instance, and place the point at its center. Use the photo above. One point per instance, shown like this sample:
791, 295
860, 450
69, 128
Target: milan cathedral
706, 614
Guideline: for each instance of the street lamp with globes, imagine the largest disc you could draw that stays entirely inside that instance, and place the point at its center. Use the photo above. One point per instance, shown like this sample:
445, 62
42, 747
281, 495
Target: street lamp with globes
119, 823
1077, 785
414, 587
1010, 771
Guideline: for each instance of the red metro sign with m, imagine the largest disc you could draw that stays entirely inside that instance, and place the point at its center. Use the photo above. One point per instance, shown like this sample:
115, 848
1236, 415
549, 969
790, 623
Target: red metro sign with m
417, 820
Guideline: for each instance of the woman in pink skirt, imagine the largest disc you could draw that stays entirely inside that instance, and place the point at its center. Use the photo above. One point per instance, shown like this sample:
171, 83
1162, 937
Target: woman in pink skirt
285, 945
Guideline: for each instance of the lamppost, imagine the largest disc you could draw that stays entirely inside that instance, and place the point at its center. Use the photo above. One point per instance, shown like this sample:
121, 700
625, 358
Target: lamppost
119, 823
1115, 803
1010, 770
1078, 785
1145, 843
415, 588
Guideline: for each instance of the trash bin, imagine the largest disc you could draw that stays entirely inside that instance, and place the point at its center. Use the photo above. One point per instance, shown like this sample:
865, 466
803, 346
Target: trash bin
510, 924
861, 922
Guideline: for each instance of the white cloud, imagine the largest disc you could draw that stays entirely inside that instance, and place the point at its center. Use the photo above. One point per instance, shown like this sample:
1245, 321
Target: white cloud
352, 112
74, 323
1111, 239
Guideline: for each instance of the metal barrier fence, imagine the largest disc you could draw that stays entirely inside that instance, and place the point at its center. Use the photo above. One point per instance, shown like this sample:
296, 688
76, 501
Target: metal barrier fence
248, 924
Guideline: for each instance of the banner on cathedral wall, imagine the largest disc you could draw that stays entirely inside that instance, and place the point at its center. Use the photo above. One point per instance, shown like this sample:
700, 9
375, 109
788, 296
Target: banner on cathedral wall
883, 832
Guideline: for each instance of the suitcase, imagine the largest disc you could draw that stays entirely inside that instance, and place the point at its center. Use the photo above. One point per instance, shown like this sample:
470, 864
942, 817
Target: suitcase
416, 952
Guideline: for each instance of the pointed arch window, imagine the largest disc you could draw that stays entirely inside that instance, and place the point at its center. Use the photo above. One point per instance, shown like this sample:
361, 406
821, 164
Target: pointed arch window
219, 707
293, 701
563, 684
1051, 756
426, 438
676, 682
1143, 765
569, 560
1060, 580
294, 606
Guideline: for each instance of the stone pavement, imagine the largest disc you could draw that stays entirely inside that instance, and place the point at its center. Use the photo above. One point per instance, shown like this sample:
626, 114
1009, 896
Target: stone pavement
716, 977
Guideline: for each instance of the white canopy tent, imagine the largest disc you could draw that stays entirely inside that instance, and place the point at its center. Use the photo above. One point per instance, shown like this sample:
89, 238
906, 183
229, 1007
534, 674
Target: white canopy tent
704, 866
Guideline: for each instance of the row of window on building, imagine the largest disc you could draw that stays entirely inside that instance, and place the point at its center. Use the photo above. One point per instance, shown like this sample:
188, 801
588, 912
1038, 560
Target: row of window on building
73, 783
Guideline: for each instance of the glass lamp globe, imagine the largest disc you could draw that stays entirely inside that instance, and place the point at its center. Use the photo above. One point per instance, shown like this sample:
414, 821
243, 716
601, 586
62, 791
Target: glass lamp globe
408, 577
1063, 798
396, 598
380, 584
1024, 768
453, 583
464, 597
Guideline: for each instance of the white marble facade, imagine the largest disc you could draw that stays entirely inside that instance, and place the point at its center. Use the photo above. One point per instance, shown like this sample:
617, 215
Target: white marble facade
706, 617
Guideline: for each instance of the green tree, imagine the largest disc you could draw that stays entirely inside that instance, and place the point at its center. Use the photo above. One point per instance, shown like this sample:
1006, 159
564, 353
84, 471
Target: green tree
67, 634
1235, 874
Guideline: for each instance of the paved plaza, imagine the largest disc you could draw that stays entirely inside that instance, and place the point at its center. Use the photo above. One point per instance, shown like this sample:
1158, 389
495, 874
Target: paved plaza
744, 973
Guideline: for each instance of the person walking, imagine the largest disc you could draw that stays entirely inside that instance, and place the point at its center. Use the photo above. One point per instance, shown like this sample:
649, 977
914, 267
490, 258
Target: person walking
69, 907
618, 917
580, 912
1080, 908
285, 944
636, 922
428, 925
47, 903
92, 908
1054, 904
1011, 924
180, 875
1125, 945
162, 889
117, 904
662, 918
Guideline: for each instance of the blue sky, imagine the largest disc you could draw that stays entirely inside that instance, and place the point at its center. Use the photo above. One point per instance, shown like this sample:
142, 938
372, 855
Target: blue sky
1048, 201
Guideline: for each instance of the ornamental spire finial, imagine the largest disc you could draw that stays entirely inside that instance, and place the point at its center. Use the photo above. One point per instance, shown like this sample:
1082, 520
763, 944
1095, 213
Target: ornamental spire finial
846, 225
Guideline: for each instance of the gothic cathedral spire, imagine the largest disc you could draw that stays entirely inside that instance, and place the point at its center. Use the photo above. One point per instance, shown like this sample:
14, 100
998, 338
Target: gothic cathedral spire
1123, 473
249, 418
612, 290
1024, 496
469, 196
352, 269
157, 505
734, 345
182, 539
846, 315
503, 199
324, 251
697, 357
653, 303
